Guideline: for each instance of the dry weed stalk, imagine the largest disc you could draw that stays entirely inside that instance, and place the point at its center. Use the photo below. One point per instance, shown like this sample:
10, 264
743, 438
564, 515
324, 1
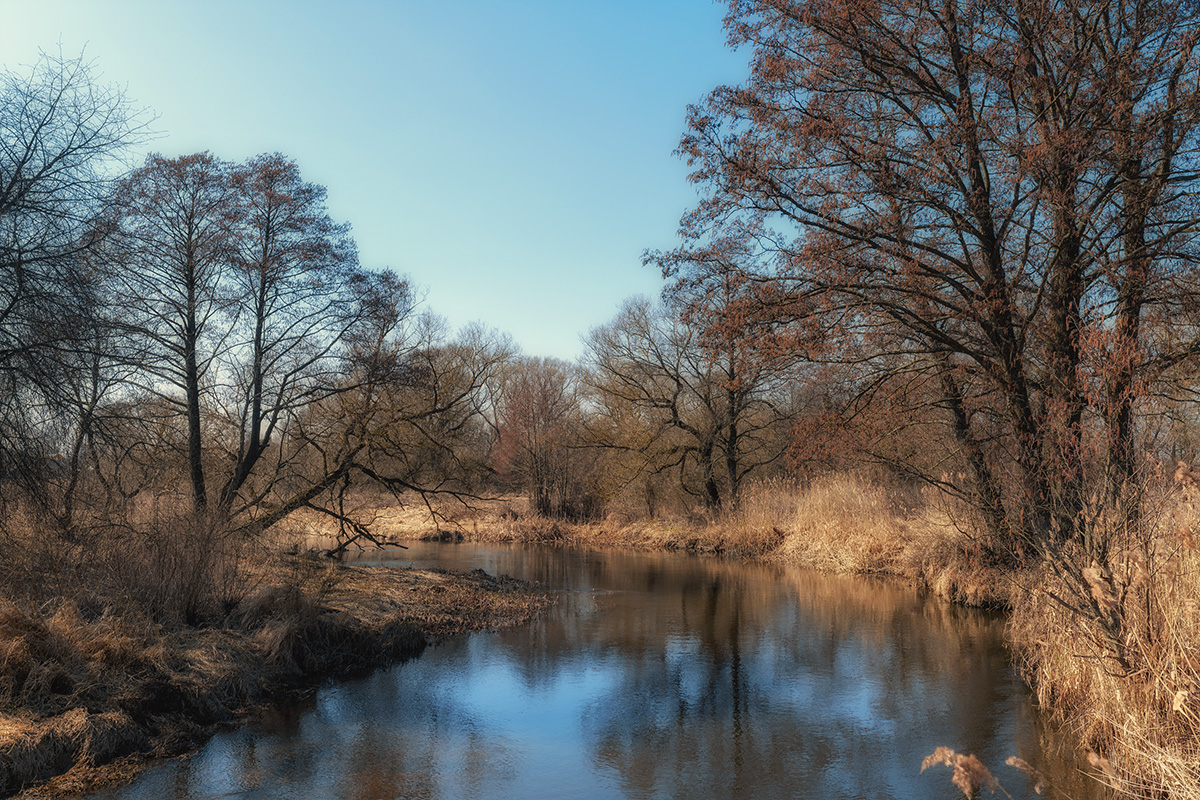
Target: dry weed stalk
970, 774
1039, 780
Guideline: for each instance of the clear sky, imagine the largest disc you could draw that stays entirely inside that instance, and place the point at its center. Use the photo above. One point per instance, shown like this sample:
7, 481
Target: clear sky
513, 157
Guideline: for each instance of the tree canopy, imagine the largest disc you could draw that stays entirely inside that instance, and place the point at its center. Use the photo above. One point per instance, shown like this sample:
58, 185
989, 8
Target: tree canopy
990, 206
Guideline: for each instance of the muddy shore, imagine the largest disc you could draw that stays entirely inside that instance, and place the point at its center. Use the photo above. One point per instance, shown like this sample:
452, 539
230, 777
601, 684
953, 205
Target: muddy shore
106, 694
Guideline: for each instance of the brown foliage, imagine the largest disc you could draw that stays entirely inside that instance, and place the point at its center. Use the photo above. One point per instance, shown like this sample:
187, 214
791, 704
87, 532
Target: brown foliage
979, 205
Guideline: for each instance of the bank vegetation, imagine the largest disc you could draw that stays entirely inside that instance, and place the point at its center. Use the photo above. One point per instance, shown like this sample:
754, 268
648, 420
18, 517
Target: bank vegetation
190, 354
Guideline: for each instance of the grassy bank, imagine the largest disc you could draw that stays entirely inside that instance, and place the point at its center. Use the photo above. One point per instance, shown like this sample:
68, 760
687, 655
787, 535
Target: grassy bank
89, 689
1112, 649
1115, 654
837, 524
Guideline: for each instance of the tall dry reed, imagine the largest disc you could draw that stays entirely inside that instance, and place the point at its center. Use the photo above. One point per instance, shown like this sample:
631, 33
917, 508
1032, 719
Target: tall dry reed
847, 523
1114, 647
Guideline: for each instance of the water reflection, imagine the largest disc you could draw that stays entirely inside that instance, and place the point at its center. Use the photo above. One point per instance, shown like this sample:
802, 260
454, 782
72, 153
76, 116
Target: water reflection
657, 676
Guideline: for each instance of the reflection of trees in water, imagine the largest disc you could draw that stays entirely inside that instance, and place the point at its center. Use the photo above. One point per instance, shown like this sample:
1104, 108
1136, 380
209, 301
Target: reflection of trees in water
449, 752
814, 682
673, 677
356, 743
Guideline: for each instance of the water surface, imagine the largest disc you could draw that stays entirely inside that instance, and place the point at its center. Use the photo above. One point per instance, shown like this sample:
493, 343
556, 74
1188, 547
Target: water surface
655, 676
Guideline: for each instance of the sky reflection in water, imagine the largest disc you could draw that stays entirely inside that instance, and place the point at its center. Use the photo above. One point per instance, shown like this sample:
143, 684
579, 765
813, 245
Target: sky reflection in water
656, 676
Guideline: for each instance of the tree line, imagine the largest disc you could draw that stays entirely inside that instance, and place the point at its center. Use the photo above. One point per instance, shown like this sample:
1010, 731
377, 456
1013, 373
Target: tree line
198, 334
954, 240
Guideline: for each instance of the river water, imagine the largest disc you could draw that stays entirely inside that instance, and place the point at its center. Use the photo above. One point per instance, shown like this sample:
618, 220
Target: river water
655, 676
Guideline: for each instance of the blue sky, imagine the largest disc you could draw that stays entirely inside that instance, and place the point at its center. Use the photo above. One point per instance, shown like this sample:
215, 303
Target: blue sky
514, 158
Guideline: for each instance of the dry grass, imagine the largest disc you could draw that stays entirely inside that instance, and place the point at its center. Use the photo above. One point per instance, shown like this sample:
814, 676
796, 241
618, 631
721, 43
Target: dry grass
161, 636
843, 524
75, 739
1140, 718
839, 523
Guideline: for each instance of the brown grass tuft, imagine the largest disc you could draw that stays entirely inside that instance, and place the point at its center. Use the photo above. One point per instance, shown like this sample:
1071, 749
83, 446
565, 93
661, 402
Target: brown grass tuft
32, 752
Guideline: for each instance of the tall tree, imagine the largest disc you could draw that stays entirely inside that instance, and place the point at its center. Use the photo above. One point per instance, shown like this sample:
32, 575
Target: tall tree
60, 133
985, 199
177, 220
293, 276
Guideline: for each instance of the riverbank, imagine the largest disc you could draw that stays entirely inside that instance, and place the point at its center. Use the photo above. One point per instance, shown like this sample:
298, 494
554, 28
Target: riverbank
839, 525
91, 694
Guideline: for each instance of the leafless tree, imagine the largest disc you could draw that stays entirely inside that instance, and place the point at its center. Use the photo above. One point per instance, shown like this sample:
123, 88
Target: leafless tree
61, 133
293, 281
540, 437
679, 402
174, 223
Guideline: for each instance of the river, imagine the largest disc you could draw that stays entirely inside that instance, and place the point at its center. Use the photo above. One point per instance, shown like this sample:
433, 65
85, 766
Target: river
655, 676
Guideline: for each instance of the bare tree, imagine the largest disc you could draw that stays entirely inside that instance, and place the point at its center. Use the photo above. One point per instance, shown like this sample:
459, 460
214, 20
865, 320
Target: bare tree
175, 222
703, 408
293, 280
60, 133
985, 200
751, 356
